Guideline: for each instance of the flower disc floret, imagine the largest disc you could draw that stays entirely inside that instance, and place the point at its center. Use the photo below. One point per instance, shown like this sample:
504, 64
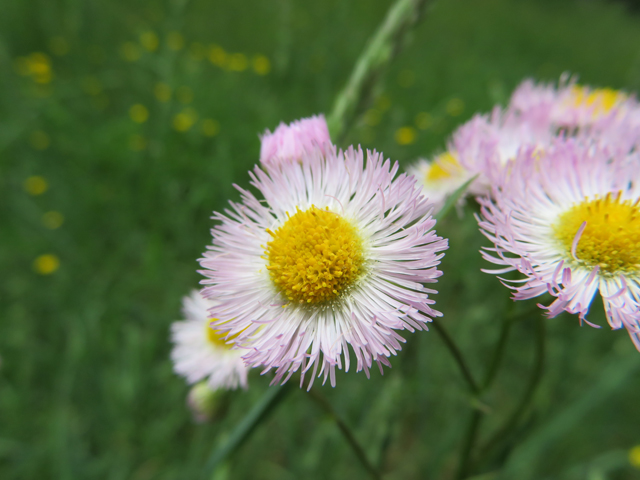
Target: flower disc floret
610, 238
314, 256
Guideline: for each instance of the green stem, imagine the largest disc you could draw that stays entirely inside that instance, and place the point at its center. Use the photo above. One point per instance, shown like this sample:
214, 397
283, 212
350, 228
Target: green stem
498, 353
476, 418
457, 356
260, 411
383, 47
512, 421
467, 446
347, 433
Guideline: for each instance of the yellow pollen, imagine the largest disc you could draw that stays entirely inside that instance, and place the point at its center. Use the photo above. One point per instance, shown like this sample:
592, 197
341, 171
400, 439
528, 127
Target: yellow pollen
611, 238
217, 337
602, 100
315, 256
443, 167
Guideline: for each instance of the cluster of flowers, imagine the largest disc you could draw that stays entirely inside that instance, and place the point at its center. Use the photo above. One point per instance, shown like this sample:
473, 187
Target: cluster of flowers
337, 254
557, 176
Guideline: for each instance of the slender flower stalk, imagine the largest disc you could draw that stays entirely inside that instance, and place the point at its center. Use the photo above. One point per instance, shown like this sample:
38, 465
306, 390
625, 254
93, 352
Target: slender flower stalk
347, 433
504, 432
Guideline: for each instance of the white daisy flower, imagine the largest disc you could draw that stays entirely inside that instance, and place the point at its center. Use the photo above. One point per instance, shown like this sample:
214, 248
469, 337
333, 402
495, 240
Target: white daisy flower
201, 352
336, 256
568, 219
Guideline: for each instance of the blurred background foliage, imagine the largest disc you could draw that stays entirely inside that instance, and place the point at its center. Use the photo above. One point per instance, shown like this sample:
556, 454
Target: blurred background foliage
124, 124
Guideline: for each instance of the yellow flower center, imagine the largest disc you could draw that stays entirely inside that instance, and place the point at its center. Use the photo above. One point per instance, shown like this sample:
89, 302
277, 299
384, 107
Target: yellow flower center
602, 100
443, 167
217, 337
315, 256
611, 238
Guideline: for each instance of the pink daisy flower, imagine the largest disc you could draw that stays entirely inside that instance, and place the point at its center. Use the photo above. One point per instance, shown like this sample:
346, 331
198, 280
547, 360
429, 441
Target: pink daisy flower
334, 260
537, 114
568, 219
288, 143
203, 353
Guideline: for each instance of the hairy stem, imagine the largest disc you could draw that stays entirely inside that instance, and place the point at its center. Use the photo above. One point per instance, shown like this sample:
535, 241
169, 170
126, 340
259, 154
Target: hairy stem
383, 47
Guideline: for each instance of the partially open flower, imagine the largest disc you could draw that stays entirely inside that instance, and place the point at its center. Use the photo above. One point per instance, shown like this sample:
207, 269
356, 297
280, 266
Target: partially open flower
336, 257
568, 219
439, 177
288, 143
202, 352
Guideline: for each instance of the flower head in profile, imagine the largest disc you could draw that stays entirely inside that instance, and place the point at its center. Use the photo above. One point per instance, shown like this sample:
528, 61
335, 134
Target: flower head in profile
569, 220
439, 177
288, 143
203, 353
486, 143
332, 263
539, 114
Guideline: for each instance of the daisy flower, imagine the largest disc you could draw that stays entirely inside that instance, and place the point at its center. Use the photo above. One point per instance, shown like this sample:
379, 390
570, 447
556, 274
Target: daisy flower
568, 219
201, 352
289, 142
536, 115
571, 104
439, 177
336, 257
486, 143
598, 115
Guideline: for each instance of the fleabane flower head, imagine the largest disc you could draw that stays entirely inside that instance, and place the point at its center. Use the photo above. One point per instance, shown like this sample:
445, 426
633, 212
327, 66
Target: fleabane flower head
604, 116
569, 220
201, 352
288, 143
439, 177
336, 257
486, 143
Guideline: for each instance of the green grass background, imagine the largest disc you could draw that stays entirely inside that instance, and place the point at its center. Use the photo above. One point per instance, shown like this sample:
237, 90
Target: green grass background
86, 385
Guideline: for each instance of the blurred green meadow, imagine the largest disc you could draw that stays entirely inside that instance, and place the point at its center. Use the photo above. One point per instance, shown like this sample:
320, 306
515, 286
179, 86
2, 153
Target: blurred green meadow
124, 124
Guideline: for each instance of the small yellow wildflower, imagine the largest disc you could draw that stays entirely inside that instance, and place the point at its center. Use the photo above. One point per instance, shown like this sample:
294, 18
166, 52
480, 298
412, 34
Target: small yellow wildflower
39, 140
424, 120
184, 120
218, 56
210, 127
139, 113
175, 41
36, 185
405, 135
130, 51
261, 64
52, 219
634, 456
162, 91
238, 62
46, 264
455, 107
149, 40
